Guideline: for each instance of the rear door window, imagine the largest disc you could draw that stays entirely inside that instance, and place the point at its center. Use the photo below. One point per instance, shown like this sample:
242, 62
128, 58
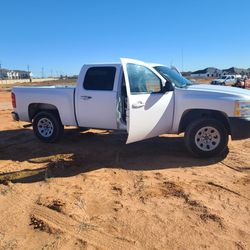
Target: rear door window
100, 78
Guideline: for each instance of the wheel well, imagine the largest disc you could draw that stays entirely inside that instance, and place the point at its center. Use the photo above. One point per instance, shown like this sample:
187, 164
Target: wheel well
194, 114
35, 108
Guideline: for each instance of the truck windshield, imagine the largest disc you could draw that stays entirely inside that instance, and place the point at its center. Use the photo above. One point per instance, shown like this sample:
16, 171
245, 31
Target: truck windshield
173, 76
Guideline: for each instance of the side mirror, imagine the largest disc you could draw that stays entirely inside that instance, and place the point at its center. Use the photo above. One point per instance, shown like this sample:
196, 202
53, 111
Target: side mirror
167, 86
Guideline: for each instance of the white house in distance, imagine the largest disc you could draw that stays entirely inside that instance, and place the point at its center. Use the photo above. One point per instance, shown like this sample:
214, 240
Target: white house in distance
15, 74
206, 73
215, 73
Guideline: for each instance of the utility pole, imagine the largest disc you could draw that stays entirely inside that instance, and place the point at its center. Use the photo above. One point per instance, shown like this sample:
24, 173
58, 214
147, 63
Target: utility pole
182, 60
28, 68
0, 68
42, 72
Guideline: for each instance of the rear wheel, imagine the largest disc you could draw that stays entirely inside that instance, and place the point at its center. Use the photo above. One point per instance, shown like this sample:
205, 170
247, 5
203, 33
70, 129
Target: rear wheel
206, 137
47, 126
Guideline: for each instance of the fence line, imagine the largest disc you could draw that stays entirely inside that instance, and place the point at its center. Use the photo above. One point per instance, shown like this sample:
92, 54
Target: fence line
12, 81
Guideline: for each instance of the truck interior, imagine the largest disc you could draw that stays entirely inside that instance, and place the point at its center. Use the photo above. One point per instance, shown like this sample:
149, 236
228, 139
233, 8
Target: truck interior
123, 102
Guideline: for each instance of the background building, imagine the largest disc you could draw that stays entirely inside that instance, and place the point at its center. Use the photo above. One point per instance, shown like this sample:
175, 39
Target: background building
207, 72
215, 73
15, 74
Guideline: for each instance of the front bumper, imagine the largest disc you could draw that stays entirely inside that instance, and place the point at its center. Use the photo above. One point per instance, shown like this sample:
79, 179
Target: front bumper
240, 128
15, 116
216, 83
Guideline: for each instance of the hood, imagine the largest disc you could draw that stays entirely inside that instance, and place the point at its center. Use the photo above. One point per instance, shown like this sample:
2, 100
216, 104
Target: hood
225, 90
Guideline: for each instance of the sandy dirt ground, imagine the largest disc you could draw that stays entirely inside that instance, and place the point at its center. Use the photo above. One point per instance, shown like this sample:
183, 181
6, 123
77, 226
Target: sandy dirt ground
91, 191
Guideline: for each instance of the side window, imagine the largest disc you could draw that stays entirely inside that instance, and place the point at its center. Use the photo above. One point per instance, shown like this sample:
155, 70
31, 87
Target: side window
142, 80
99, 78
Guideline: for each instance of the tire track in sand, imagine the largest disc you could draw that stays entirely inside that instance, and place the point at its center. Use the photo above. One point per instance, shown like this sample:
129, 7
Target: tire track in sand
70, 226
67, 225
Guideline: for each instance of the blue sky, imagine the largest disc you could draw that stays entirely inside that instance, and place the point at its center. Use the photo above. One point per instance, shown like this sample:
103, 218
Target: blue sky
62, 35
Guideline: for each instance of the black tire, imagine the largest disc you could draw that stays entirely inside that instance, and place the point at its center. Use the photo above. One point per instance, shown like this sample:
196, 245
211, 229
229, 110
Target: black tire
55, 130
203, 144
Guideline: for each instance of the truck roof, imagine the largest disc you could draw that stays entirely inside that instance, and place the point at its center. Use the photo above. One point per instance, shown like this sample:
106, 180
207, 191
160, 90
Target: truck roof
117, 64
104, 64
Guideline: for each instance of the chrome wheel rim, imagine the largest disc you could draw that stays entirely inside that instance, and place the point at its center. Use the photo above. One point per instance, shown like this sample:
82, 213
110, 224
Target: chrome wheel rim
207, 138
45, 127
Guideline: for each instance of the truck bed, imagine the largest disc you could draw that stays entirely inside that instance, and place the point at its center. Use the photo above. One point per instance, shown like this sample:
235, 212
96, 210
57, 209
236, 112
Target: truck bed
62, 97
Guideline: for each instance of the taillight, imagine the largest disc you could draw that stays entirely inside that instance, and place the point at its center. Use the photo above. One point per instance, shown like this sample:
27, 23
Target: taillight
13, 99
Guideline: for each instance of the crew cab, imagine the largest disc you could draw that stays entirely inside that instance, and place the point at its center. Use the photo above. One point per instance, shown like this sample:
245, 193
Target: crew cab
146, 100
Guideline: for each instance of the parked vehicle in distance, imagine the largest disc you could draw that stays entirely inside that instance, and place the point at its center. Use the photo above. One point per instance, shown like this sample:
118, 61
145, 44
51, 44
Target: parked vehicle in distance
226, 80
247, 82
240, 83
144, 100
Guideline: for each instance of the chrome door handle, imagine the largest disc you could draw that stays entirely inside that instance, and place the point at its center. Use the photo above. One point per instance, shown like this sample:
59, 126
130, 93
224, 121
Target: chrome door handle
138, 104
85, 97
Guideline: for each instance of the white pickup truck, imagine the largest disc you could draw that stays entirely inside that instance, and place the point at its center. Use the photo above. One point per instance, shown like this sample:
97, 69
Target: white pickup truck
226, 80
146, 100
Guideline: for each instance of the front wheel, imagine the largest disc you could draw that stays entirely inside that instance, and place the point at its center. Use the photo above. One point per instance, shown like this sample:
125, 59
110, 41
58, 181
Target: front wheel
206, 137
47, 126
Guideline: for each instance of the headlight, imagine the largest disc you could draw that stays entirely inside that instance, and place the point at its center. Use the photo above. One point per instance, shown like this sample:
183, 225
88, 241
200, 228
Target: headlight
242, 109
